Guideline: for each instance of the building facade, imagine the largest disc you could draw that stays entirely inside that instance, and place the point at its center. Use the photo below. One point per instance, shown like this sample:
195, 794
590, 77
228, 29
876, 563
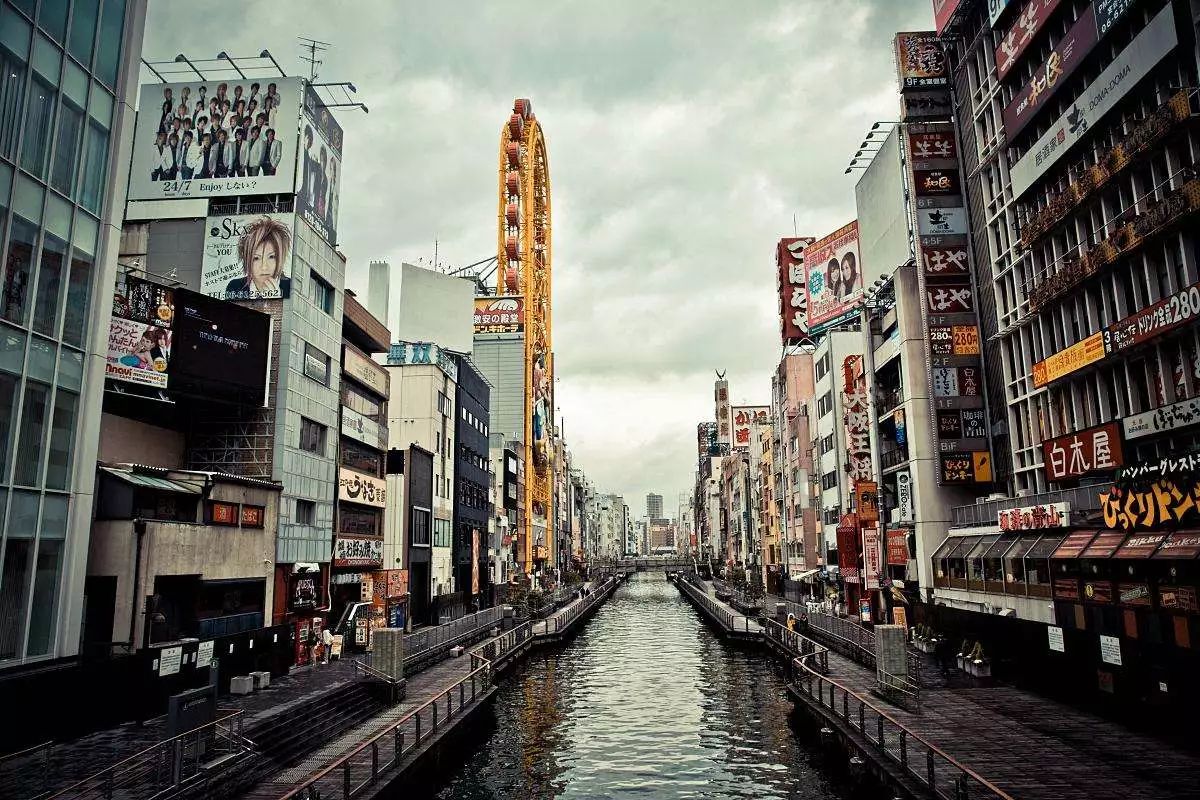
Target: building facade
472, 477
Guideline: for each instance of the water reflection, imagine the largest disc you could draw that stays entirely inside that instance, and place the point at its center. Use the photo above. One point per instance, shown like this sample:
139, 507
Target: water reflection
645, 702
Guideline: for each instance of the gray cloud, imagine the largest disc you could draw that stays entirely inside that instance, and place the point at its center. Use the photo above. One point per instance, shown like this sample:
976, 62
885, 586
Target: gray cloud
683, 138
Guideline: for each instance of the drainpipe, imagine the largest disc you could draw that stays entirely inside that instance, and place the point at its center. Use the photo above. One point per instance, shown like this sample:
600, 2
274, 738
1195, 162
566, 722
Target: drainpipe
139, 529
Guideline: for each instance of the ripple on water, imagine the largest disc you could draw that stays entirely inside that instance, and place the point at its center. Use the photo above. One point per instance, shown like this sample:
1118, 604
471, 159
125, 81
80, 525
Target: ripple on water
644, 703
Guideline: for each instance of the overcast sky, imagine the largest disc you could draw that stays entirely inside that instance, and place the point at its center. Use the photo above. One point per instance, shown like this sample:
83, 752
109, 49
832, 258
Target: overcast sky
683, 135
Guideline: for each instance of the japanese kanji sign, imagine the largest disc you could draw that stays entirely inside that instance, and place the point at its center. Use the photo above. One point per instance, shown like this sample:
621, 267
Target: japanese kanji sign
857, 421
1163, 503
1082, 453
793, 293
744, 419
1031, 518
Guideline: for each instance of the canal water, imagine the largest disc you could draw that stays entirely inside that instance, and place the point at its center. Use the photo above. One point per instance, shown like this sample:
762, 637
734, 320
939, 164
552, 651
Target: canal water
645, 702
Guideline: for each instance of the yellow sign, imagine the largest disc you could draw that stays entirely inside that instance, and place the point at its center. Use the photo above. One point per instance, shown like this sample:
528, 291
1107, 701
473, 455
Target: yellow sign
1064, 362
982, 464
900, 616
966, 340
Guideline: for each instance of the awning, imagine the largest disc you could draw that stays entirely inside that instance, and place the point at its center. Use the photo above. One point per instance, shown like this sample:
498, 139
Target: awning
1074, 544
949, 545
151, 482
1001, 546
1104, 545
1181, 544
1045, 546
808, 573
1140, 545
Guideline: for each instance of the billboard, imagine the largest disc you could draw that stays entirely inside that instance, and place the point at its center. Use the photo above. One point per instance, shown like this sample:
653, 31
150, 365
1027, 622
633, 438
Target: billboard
215, 138
138, 352
793, 300
320, 166
920, 61
499, 314
833, 267
1131, 65
248, 256
856, 423
435, 308
356, 551
139, 335
744, 418
721, 403
359, 487
949, 314
883, 224
222, 350
1079, 355
1051, 73
1084, 452
1025, 27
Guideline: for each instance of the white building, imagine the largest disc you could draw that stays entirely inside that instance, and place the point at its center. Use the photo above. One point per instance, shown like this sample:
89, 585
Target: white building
832, 351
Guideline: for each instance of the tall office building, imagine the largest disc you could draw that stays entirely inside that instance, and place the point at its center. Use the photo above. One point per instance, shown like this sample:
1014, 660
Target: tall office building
654, 506
66, 120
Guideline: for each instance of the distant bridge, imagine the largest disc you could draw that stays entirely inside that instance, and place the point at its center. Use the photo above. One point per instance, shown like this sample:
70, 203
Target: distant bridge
648, 564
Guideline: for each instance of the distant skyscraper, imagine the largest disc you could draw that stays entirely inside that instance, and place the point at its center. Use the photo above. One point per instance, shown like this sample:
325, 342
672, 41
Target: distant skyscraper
654, 506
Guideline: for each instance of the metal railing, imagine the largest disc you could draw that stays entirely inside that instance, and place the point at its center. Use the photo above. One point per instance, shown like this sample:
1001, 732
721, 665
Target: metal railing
165, 765
798, 645
423, 642
1083, 498
921, 760
733, 623
561, 622
363, 766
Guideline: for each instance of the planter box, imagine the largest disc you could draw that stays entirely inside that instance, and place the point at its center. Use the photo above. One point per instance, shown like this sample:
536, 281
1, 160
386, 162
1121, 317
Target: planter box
982, 670
925, 646
962, 663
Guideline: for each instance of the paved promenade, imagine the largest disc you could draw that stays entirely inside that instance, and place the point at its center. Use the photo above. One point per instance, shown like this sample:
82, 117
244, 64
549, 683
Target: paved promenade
1033, 747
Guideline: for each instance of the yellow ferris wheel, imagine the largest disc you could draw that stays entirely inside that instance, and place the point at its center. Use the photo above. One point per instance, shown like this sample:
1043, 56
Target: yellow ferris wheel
523, 252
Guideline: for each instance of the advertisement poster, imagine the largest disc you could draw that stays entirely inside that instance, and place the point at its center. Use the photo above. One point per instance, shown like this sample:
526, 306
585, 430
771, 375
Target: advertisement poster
248, 257
1055, 636
138, 353
320, 166
474, 562
872, 557
920, 60
215, 138
897, 547
1096, 449
499, 314
834, 269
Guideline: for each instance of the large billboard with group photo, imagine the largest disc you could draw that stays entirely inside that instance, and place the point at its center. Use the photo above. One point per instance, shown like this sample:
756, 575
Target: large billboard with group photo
835, 286
248, 256
215, 138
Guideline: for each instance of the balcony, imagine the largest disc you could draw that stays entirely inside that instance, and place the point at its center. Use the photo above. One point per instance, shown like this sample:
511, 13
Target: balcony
1082, 498
886, 400
894, 458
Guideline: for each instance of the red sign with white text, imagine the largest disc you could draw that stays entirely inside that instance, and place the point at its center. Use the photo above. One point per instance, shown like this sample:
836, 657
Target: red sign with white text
943, 10
1026, 26
897, 547
793, 297
1096, 449
1051, 73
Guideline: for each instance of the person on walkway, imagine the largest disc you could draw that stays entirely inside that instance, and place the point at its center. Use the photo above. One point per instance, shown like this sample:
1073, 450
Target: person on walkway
327, 640
943, 655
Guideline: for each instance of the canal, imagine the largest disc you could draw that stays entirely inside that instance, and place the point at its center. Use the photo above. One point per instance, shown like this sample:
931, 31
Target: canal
645, 702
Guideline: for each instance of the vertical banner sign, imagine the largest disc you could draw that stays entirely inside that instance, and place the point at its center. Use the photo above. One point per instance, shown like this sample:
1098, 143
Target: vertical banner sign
793, 298
744, 420
924, 77
847, 548
724, 419
948, 309
872, 557
856, 422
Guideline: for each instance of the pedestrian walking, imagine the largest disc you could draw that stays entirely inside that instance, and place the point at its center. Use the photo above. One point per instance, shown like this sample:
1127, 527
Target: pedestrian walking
327, 641
942, 654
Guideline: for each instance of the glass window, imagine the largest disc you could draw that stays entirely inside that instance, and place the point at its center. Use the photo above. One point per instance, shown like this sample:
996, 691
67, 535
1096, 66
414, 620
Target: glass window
14, 591
62, 437
45, 597
32, 432
101, 108
53, 18
39, 117
78, 288
316, 364
94, 167
70, 368
47, 59
66, 147
49, 286
40, 364
312, 436
306, 512
17, 270
75, 84
83, 30
420, 527
322, 293
25, 5
8, 412
108, 57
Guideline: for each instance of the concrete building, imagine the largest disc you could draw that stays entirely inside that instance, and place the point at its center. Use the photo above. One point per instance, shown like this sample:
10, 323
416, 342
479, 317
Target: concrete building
472, 476
508, 493
358, 540
654, 506
422, 412
59, 233
829, 433
791, 397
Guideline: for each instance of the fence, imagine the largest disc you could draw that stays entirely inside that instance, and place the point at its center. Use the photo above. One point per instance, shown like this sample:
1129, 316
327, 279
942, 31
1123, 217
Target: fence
734, 623
939, 773
165, 765
562, 622
419, 644
798, 645
353, 773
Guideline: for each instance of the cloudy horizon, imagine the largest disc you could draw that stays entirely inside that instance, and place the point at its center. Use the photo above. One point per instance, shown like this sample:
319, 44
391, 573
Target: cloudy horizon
684, 140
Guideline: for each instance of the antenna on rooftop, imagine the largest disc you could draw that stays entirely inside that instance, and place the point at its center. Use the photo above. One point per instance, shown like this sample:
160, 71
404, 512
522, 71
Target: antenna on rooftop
311, 50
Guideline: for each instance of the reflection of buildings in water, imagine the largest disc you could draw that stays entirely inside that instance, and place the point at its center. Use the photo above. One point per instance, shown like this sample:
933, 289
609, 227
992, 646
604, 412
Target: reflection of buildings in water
540, 731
